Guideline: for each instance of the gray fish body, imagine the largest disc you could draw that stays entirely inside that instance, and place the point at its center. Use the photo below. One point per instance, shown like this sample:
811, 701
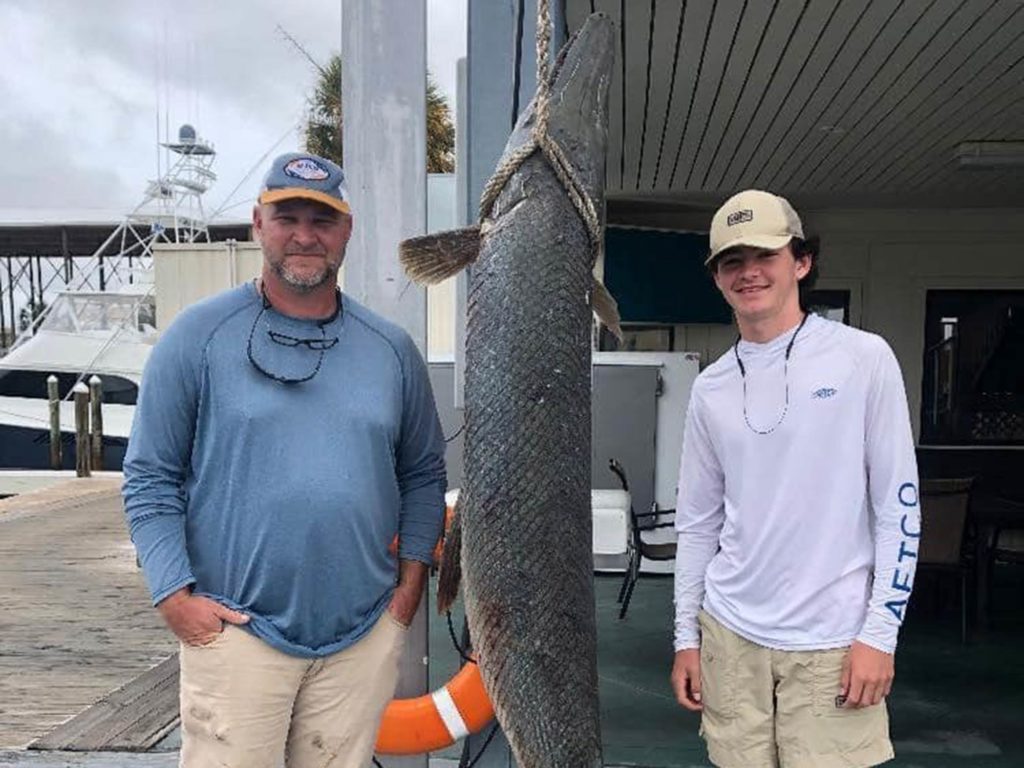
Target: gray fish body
525, 507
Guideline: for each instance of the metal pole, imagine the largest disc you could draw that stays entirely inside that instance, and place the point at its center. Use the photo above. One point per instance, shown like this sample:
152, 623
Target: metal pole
559, 25
3, 320
52, 393
10, 297
82, 468
66, 253
39, 281
31, 296
96, 404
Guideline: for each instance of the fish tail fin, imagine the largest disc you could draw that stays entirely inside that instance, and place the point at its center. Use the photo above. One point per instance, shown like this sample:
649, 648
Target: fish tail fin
606, 308
432, 258
450, 572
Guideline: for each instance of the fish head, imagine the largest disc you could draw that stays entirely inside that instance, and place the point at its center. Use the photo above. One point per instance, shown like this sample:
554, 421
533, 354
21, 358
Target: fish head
574, 100
577, 105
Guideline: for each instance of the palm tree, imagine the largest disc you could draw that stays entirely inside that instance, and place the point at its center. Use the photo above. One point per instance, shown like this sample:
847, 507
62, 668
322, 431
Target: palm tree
440, 131
323, 124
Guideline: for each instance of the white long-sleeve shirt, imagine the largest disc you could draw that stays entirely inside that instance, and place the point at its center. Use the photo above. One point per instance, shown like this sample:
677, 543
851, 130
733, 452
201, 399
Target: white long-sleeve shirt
806, 537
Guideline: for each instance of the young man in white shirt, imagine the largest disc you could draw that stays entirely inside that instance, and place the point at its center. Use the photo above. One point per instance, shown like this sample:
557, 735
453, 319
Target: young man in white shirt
797, 515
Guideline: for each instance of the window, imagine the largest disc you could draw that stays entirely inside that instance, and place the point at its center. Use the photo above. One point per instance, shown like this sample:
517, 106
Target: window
831, 304
658, 277
639, 338
973, 387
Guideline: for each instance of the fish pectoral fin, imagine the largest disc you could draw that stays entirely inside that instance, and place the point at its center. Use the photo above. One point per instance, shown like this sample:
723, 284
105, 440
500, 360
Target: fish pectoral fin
606, 308
432, 258
450, 572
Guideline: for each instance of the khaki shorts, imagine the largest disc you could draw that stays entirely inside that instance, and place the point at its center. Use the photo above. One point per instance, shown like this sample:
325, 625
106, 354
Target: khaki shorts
245, 704
765, 708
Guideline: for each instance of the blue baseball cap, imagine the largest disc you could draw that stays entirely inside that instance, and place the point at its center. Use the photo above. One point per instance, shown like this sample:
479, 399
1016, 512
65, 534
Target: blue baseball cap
302, 175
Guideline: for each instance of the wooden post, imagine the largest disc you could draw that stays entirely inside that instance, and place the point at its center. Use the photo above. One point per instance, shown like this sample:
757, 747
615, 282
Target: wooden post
52, 393
82, 468
96, 405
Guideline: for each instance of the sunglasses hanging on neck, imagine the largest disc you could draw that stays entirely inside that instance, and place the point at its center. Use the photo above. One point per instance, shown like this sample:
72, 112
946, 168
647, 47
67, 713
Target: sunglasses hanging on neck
319, 344
743, 375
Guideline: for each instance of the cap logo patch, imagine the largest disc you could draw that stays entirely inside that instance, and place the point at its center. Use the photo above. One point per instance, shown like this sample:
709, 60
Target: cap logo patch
739, 217
307, 169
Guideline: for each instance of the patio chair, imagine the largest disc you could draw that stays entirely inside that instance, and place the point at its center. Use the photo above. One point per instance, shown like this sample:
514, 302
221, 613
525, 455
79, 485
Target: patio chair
1009, 546
637, 548
944, 506
1007, 549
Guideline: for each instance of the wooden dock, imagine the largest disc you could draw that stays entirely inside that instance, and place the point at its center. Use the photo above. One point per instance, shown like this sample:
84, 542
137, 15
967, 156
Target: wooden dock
75, 617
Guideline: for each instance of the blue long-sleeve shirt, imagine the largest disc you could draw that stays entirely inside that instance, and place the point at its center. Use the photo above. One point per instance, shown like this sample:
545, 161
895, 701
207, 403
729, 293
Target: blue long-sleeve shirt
281, 500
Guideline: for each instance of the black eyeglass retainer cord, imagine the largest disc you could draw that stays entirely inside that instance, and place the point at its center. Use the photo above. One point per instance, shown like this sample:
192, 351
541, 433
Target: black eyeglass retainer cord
321, 324
785, 374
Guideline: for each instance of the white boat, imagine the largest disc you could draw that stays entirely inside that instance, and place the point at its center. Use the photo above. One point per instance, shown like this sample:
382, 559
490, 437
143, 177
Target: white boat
82, 334
107, 333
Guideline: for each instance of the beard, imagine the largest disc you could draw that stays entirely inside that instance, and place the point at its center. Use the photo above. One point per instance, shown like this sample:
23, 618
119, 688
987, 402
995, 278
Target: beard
305, 282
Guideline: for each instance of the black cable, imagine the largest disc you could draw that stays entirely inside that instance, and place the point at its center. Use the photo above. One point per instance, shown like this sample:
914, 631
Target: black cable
487, 741
469, 660
457, 433
451, 633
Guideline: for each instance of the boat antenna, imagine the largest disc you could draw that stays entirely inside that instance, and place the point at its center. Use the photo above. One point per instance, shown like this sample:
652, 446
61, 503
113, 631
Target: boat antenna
258, 164
301, 49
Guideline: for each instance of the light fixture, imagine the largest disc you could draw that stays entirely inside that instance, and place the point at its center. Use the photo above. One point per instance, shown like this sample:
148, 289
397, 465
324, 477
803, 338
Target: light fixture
990, 154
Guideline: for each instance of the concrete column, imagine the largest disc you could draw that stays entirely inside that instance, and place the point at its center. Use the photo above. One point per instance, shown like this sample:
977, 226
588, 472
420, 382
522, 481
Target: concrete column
384, 72
465, 214
384, 69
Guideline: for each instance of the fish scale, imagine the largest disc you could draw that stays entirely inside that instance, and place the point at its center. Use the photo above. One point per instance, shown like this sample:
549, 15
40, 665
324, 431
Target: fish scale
524, 519
526, 526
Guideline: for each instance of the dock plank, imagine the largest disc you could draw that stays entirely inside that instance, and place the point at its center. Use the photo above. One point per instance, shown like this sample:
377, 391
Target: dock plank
132, 718
75, 616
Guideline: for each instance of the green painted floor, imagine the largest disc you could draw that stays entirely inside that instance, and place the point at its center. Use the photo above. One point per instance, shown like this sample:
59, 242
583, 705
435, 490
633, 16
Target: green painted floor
953, 705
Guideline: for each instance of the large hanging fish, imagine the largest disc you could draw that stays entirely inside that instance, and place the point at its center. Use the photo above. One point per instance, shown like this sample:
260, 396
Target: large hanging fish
523, 529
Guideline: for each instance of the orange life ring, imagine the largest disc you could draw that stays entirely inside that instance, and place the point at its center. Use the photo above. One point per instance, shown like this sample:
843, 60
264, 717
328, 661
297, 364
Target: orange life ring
436, 720
439, 719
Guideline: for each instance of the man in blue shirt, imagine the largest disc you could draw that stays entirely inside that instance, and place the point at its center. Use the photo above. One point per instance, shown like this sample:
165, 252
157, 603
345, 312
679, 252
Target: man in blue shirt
284, 435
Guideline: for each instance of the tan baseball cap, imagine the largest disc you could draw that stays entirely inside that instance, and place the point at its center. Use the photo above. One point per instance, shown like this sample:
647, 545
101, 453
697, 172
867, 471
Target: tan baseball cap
754, 218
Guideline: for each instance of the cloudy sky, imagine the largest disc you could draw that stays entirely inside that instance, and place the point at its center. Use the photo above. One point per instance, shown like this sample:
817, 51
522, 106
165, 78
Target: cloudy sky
83, 81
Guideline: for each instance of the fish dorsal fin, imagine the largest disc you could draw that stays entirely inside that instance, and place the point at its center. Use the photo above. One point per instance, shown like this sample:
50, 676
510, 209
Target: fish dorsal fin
432, 258
606, 308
